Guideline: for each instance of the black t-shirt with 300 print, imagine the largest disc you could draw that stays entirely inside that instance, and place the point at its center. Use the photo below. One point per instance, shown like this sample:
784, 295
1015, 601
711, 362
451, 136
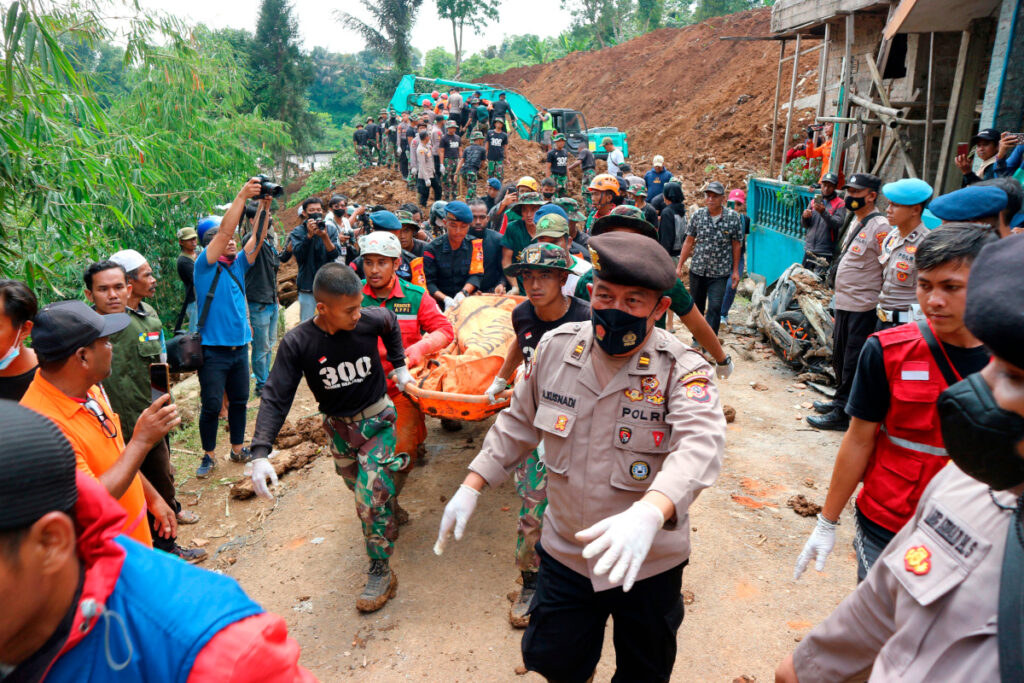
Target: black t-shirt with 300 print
496, 145
558, 158
343, 370
529, 328
450, 145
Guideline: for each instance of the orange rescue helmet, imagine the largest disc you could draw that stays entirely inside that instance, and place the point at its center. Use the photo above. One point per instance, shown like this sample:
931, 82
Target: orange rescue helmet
605, 182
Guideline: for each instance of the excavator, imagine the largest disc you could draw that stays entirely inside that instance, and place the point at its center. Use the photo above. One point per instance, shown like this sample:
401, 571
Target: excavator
412, 90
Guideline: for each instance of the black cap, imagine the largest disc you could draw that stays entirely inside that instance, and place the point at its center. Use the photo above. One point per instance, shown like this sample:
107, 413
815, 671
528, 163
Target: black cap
863, 181
830, 178
989, 134
994, 314
37, 467
62, 328
625, 258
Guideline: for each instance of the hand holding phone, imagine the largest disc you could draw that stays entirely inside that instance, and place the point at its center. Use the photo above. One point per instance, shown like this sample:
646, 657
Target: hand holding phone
159, 380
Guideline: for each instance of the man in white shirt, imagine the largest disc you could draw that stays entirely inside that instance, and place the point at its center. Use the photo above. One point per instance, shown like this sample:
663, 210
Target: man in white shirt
615, 156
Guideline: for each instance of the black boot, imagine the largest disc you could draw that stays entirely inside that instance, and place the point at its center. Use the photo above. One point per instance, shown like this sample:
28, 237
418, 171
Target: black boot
822, 407
836, 420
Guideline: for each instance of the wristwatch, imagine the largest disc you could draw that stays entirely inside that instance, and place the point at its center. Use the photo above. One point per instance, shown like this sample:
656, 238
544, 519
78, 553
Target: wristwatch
725, 361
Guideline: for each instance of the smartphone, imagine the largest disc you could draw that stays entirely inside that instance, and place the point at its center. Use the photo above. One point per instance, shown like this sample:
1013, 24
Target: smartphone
819, 199
962, 148
731, 204
159, 380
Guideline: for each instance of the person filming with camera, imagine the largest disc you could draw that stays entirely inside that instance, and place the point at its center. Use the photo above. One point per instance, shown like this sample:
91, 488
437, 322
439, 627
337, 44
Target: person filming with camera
224, 321
313, 242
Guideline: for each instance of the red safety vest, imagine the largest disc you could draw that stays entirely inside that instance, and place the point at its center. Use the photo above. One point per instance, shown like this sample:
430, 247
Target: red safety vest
908, 446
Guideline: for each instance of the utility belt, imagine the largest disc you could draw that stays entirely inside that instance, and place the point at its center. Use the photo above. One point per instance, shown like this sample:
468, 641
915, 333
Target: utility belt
372, 410
898, 317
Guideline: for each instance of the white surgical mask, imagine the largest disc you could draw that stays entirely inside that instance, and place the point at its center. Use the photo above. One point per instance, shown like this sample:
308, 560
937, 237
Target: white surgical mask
13, 353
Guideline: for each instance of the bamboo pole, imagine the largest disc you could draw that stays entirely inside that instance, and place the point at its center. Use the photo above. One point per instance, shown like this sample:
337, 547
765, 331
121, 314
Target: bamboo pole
929, 106
823, 69
775, 114
792, 98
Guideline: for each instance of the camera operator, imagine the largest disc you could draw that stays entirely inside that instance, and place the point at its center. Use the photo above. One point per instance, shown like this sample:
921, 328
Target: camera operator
338, 217
313, 242
261, 295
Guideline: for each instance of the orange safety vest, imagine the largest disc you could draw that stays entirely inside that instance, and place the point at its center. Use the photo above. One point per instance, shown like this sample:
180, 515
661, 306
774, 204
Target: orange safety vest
908, 446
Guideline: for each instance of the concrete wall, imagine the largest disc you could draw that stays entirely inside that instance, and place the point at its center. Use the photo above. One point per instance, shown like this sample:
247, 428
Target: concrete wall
1004, 103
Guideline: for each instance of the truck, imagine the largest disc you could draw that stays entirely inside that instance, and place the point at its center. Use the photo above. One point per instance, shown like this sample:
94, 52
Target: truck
412, 90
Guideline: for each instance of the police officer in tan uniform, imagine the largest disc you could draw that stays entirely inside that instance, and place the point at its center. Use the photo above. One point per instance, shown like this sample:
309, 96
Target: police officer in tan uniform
632, 431
897, 299
944, 601
858, 282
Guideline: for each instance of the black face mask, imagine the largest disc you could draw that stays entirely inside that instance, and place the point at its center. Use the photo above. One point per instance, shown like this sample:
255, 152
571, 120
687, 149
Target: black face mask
979, 436
617, 331
854, 203
338, 213
548, 195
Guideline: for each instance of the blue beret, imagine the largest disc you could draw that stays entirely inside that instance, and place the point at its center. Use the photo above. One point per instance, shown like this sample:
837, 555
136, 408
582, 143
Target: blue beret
1018, 220
930, 220
494, 182
385, 220
460, 211
969, 203
993, 313
908, 191
549, 209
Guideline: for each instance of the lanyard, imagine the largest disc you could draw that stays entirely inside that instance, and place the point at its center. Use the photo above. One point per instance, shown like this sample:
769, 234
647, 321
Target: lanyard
942, 347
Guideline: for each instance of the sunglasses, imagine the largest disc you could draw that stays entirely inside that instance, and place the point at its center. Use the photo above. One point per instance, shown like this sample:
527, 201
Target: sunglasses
93, 406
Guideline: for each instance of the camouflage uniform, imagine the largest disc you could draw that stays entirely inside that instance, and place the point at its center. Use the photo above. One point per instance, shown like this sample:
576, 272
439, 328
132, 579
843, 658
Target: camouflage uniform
364, 455
450, 180
470, 177
496, 169
560, 185
588, 175
363, 156
531, 480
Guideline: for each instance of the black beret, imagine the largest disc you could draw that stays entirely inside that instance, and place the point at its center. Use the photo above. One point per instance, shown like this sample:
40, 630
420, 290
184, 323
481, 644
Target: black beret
626, 258
994, 314
37, 467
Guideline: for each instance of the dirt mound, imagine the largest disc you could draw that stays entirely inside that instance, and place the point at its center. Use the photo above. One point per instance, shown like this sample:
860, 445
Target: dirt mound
703, 103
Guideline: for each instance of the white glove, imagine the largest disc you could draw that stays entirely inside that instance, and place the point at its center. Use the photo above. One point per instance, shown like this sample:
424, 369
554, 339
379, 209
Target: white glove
456, 513
449, 303
625, 540
442, 168
497, 386
724, 370
402, 378
459, 297
262, 471
820, 544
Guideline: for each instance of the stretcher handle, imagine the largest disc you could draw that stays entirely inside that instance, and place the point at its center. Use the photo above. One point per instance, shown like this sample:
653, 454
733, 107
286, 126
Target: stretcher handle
418, 392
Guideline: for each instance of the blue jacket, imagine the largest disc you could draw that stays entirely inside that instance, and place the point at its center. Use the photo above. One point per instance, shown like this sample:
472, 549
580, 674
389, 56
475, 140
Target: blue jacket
656, 182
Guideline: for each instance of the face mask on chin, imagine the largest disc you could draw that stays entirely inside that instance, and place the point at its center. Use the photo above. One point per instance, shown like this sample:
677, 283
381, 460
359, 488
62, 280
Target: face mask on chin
616, 331
980, 437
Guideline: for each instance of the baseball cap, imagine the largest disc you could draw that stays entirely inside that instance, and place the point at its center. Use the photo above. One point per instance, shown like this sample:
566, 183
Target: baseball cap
63, 327
187, 233
863, 181
552, 225
494, 183
558, 136
830, 178
406, 219
715, 187
989, 134
738, 195
37, 468
129, 259
380, 242
658, 160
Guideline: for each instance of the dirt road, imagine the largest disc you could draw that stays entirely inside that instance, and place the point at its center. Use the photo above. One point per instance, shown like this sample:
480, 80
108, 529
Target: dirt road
302, 555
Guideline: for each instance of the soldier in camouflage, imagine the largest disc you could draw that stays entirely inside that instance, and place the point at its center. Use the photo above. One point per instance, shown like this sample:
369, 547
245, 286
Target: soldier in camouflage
450, 144
469, 165
359, 139
337, 352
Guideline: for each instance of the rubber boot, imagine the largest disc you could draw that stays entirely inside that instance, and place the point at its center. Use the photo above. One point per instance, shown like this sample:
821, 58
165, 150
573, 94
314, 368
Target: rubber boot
517, 614
381, 584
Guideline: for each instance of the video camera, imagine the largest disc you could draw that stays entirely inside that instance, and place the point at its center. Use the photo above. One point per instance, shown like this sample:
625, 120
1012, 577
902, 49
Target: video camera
267, 188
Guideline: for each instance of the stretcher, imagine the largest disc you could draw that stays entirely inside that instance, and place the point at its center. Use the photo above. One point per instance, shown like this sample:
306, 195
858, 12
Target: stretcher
450, 383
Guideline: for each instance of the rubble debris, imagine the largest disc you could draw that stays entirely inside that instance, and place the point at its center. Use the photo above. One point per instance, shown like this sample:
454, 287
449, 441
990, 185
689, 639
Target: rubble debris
297, 457
802, 506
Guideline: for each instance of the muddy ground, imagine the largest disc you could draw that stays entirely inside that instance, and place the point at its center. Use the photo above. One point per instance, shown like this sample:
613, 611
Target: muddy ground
302, 555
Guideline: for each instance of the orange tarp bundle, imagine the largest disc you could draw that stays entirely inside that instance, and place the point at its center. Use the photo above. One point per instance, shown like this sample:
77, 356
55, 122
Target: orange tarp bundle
466, 367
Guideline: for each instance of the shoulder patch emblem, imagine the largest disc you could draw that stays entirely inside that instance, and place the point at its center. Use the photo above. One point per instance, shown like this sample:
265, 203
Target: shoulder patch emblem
625, 434
649, 384
695, 376
862, 235
655, 399
639, 470
903, 265
634, 395
918, 560
880, 236
698, 391
901, 276
856, 249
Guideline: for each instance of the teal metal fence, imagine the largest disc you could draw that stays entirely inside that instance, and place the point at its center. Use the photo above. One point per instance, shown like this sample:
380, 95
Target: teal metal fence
776, 238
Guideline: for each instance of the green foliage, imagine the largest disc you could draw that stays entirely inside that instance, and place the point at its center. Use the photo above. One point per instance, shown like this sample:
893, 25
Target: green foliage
281, 74
717, 8
340, 82
93, 162
343, 166
648, 15
389, 34
438, 63
800, 172
462, 13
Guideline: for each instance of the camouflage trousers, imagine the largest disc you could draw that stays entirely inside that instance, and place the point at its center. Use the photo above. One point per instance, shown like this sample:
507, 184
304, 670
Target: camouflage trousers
450, 180
561, 183
531, 480
411, 180
387, 154
364, 455
372, 154
363, 156
470, 178
588, 175
496, 169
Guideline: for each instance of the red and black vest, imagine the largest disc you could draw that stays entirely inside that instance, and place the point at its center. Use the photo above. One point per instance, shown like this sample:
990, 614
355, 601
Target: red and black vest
908, 446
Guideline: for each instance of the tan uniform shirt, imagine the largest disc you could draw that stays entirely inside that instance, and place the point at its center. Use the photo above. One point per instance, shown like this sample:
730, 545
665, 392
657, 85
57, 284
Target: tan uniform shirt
899, 269
859, 276
656, 425
927, 611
